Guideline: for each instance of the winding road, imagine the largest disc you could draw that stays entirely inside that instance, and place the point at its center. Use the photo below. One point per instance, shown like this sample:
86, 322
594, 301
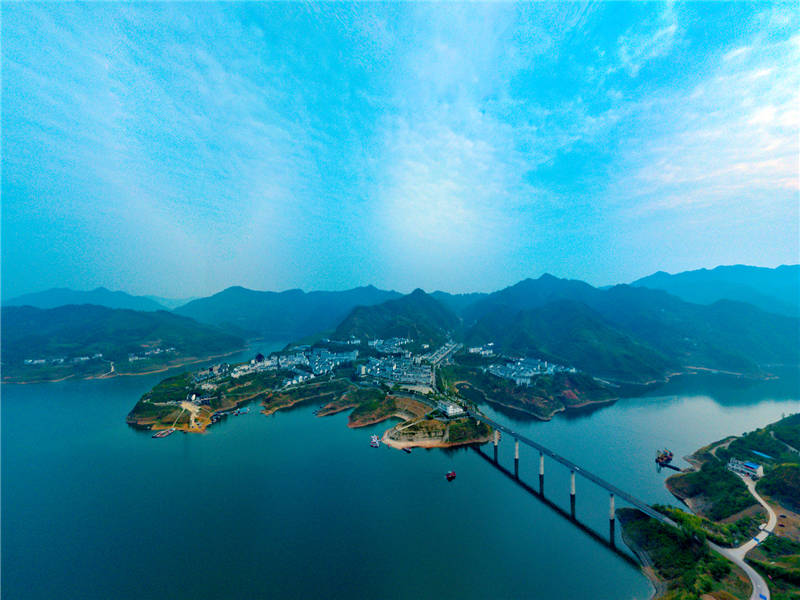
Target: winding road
736, 555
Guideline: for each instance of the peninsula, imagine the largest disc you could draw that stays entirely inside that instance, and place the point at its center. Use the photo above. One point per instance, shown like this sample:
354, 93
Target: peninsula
334, 380
744, 496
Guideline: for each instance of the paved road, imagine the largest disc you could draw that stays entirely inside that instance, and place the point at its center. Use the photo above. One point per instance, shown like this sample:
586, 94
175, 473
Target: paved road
736, 555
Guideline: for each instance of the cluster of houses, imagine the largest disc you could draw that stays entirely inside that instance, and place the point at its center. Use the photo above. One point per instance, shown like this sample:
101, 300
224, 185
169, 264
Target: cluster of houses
485, 350
522, 371
398, 369
390, 346
212, 372
306, 363
441, 354
62, 360
133, 357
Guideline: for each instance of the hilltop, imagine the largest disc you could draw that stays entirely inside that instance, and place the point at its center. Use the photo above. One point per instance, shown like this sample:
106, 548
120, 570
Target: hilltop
772, 290
571, 333
84, 340
101, 296
638, 327
417, 316
280, 315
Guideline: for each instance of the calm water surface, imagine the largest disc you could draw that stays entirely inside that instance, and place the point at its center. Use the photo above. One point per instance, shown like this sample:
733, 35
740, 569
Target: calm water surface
293, 506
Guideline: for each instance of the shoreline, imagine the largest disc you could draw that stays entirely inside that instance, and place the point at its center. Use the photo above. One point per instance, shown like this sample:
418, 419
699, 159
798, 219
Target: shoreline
399, 445
554, 412
648, 569
189, 361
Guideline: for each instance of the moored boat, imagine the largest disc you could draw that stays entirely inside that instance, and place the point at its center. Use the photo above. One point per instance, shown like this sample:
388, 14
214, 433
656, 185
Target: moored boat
663, 457
164, 433
374, 441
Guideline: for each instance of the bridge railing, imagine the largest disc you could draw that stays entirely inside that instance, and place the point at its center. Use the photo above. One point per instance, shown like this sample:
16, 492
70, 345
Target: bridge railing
629, 498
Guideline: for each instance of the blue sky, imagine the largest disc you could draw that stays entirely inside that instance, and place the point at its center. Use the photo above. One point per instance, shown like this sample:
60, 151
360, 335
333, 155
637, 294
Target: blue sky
177, 149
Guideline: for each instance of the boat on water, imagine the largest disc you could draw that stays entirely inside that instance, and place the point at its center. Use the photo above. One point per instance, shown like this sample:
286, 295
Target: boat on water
164, 433
663, 457
450, 475
407, 450
374, 441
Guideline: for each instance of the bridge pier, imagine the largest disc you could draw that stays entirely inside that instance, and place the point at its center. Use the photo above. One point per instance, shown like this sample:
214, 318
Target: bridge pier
611, 520
516, 458
496, 441
541, 474
572, 494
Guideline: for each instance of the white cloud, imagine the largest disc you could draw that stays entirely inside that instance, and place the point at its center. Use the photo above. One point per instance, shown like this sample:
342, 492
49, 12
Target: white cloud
648, 41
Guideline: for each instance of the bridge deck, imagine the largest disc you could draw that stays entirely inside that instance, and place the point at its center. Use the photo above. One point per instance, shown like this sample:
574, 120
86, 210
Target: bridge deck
632, 500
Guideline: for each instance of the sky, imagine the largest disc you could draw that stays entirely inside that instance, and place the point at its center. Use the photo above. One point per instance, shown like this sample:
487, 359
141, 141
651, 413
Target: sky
177, 149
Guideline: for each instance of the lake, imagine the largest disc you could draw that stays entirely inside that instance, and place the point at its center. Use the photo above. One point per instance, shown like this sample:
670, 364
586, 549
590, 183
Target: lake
292, 505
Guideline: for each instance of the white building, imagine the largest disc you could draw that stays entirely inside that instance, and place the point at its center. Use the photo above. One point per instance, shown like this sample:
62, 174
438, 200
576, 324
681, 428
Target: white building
451, 409
751, 469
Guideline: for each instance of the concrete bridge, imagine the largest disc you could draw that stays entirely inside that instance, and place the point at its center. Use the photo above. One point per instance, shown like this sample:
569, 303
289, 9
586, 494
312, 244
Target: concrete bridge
574, 469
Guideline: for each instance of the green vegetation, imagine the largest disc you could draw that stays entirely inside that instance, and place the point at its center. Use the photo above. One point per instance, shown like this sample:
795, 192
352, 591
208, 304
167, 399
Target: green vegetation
646, 331
416, 316
467, 429
779, 559
759, 440
161, 405
788, 430
783, 484
322, 392
571, 333
719, 494
292, 314
373, 404
723, 492
725, 534
86, 330
546, 395
681, 558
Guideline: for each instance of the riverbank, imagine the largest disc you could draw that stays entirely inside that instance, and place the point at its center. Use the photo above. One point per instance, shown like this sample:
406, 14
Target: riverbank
676, 562
182, 362
728, 512
371, 406
565, 396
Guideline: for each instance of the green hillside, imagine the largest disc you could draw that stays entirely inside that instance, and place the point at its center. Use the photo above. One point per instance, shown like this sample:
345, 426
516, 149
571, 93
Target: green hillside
285, 315
417, 316
100, 296
70, 332
571, 334
726, 335
773, 290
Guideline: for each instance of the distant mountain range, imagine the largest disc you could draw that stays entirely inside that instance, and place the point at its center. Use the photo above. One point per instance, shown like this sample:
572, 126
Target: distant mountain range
730, 318
100, 296
280, 315
626, 325
773, 290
